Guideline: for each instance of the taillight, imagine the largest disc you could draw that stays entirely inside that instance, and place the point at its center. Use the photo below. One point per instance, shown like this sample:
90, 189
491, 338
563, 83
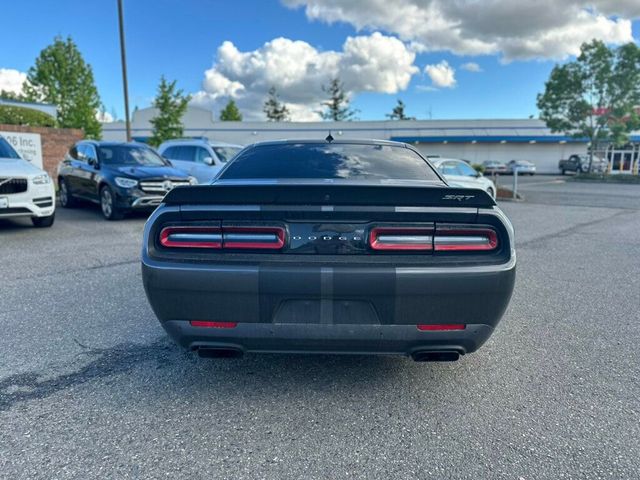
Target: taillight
441, 238
464, 239
401, 238
187, 236
441, 327
269, 238
208, 324
191, 237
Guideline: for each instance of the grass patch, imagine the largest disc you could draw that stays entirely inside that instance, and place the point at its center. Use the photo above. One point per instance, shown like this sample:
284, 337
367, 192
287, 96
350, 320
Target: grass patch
597, 177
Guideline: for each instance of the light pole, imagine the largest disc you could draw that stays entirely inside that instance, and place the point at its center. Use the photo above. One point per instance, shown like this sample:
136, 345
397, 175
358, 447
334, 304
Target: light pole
124, 72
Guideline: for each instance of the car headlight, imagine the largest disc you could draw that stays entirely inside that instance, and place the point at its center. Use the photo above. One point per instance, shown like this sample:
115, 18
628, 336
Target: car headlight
126, 182
41, 179
193, 181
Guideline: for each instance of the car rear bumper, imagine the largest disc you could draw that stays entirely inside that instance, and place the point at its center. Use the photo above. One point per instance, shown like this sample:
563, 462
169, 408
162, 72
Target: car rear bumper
330, 339
342, 309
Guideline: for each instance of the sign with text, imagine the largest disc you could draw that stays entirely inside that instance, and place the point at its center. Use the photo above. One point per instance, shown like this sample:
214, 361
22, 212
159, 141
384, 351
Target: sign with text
28, 145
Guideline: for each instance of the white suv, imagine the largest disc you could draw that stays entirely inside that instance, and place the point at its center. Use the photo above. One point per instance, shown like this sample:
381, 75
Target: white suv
25, 190
199, 157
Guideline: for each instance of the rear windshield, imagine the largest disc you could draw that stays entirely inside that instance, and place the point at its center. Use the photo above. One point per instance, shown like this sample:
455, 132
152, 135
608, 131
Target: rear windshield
335, 161
226, 153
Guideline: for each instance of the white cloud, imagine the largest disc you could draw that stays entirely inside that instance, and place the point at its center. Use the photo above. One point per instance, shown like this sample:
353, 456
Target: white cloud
372, 63
426, 88
12, 80
441, 74
525, 29
104, 117
471, 67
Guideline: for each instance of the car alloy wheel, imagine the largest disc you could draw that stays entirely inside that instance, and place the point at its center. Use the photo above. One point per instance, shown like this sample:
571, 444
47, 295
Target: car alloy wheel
106, 202
64, 198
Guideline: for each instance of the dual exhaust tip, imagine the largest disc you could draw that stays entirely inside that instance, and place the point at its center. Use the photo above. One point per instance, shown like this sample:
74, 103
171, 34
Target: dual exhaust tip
419, 356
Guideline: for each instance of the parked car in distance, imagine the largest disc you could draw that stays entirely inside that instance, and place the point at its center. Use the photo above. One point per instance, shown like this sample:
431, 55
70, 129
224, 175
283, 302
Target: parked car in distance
349, 246
523, 166
494, 167
459, 173
121, 177
199, 157
580, 163
25, 190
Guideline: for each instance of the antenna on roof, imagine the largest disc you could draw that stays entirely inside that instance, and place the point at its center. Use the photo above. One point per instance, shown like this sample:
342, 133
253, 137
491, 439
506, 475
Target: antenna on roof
329, 138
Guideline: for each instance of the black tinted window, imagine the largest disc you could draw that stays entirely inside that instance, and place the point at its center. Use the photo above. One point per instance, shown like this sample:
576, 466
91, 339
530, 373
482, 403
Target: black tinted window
323, 160
6, 150
188, 154
170, 152
129, 155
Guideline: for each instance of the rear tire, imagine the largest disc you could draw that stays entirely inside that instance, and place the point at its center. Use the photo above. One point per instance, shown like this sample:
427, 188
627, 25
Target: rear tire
43, 222
108, 204
66, 199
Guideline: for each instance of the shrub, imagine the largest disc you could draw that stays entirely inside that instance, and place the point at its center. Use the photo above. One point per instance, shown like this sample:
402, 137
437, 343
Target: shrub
478, 167
11, 115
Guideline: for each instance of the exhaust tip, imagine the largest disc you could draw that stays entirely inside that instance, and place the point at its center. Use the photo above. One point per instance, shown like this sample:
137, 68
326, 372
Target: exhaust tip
208, 352
436, 356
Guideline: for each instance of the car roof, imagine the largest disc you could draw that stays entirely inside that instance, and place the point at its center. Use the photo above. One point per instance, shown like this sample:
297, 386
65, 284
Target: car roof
200, 141
439, 160
351, 141
104, 143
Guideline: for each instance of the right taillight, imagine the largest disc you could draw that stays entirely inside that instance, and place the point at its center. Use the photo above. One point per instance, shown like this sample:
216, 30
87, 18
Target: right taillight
438, 238
454, 238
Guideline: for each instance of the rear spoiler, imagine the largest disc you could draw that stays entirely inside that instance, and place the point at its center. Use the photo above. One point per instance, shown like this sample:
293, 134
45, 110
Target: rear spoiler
337, 194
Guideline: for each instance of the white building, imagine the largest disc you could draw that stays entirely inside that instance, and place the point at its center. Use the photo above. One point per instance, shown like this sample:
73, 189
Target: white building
473, 140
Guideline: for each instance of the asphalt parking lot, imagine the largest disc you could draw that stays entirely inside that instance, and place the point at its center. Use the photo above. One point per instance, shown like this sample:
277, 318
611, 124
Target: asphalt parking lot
91, 387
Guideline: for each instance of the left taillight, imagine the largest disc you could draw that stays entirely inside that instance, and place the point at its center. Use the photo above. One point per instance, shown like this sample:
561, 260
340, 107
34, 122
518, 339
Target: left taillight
233, 237
191, 237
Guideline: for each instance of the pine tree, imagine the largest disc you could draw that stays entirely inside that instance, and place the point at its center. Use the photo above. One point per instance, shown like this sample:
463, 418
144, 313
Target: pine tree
230, 113
398, 112
61, 76
337, 107
274, 109
171, 104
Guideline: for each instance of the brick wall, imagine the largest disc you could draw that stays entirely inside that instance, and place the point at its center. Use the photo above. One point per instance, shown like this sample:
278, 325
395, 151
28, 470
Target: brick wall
55, 142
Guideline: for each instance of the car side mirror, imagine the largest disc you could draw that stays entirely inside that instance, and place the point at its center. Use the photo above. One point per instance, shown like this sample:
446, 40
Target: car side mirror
94, 163
208, 161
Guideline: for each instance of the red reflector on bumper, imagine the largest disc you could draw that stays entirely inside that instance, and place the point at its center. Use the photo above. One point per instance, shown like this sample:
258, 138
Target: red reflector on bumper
204, 323
442, 326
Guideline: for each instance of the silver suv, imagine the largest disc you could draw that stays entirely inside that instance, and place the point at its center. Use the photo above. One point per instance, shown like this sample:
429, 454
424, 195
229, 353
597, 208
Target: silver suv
198, 157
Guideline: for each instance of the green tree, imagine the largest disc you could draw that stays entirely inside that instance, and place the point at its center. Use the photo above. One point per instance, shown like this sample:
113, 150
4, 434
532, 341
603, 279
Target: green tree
230, 113
595, 96
12, 115
275, 110
337, 107
398, 112
172, 105
8, 95
61, 76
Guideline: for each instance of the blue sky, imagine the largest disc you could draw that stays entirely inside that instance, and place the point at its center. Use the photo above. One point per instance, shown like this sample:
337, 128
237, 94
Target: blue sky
180, 39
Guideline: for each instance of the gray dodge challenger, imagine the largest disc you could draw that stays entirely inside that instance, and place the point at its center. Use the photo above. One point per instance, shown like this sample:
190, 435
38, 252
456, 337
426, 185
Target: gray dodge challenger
309, 246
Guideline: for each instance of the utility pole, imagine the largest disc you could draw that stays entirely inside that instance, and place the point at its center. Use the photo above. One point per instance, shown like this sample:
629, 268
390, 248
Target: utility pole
124, 72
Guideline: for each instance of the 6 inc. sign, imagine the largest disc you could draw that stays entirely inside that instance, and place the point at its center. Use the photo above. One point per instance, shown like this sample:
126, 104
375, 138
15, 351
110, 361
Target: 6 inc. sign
28, 145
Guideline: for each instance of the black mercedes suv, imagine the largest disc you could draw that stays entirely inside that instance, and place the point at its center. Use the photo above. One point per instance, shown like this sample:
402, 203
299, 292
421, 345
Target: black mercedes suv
121, 177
